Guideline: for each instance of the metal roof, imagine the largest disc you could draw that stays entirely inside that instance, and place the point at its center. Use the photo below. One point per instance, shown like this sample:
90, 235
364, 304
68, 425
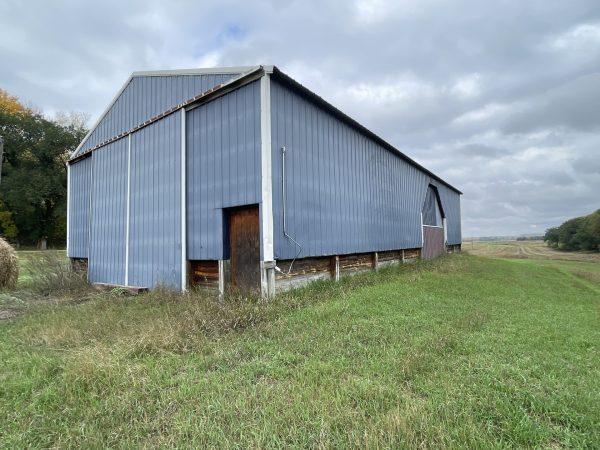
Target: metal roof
247, 74
159, 73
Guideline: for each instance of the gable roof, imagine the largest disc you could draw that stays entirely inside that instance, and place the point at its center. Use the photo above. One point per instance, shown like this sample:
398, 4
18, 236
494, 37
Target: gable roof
181, 85
237, 76
289, 81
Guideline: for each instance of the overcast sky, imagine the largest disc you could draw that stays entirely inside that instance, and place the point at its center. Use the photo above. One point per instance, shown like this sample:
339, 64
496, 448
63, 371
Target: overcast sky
501, 99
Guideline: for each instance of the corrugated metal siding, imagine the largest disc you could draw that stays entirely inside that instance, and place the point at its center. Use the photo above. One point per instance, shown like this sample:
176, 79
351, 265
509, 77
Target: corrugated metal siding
451, 206
345, 193
79, 208
431, 209
223, 166
109, 205
155, 204
146, 96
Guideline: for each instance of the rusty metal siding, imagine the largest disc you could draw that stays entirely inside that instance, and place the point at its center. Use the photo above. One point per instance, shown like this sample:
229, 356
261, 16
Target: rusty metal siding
223, 166
155, 204
147, 96
345, 192
79, 208
108, 214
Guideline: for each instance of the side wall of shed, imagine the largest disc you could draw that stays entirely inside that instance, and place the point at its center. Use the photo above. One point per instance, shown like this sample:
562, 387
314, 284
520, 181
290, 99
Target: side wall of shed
155, 205
150, 253
223, 166
344, 192
451, 205
108, 214
80, 190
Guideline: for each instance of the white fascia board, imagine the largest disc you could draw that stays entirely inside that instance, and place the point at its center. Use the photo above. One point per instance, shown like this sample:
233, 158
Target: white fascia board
208, 71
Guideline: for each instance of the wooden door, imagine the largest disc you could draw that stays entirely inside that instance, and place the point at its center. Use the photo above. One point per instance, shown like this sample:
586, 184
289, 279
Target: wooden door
433, 242
244, 246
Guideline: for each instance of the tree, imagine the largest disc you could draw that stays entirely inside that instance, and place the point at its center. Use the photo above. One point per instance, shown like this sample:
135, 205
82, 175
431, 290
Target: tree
552, 237
580, 233
34, 178
11, 104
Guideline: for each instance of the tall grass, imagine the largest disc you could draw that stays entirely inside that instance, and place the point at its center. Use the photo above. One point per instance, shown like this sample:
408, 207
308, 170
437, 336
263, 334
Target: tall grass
50, 274
462, 352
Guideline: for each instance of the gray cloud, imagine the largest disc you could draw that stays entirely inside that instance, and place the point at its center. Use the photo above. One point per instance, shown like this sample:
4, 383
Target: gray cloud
499, 99
574, 105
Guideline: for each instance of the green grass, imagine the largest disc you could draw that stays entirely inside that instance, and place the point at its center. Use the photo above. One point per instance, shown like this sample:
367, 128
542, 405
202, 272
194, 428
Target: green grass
461, 352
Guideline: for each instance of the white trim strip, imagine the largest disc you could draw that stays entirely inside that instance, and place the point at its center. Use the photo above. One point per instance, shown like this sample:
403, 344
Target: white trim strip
183, 204
433, 226
91, 215
444, 223
422, 236
128, 209
221, 265
266, 174
68, 208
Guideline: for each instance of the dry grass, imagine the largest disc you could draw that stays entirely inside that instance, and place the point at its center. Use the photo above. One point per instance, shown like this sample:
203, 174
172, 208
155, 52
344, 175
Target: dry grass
525, 250
9, 266
49, 274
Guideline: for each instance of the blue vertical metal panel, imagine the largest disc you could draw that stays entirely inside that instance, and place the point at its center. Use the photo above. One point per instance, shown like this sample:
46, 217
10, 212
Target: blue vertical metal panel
223, 166
451, 206
155, 204
79, 207
108, 214
146, 96
345, 192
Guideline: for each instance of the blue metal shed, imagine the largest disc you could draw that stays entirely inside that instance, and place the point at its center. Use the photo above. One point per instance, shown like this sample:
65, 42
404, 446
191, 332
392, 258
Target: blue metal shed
243, 177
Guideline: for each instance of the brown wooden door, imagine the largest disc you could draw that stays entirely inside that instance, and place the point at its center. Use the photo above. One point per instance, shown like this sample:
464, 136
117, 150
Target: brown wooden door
244, 244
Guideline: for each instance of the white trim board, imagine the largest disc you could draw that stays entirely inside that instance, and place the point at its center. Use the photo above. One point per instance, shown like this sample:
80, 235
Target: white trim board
128, 210
266, 173
183, 203
199, 71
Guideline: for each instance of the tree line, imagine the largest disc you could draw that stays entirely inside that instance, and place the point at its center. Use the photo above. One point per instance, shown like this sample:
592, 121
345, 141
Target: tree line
580, 233
33, 177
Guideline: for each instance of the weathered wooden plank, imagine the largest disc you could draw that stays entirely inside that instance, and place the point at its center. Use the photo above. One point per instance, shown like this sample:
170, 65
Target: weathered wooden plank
356, 262
204, 274
303, 266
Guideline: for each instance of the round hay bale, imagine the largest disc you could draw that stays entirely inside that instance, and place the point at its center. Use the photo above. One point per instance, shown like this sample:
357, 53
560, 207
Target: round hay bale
9, 266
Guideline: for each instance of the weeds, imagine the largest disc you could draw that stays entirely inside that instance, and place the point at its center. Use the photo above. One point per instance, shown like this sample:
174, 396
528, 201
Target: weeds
50, 274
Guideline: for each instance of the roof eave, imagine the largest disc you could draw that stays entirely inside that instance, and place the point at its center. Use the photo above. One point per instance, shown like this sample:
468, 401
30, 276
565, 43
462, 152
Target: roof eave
349, 120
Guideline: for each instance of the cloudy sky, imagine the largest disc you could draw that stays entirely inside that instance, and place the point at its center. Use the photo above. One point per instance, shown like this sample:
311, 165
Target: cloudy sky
501, 99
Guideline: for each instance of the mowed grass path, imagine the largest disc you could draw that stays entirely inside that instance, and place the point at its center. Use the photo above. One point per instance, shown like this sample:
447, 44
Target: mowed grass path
462, 352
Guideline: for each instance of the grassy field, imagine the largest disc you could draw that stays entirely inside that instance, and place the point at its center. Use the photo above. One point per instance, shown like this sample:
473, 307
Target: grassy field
466, 351
526, 250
